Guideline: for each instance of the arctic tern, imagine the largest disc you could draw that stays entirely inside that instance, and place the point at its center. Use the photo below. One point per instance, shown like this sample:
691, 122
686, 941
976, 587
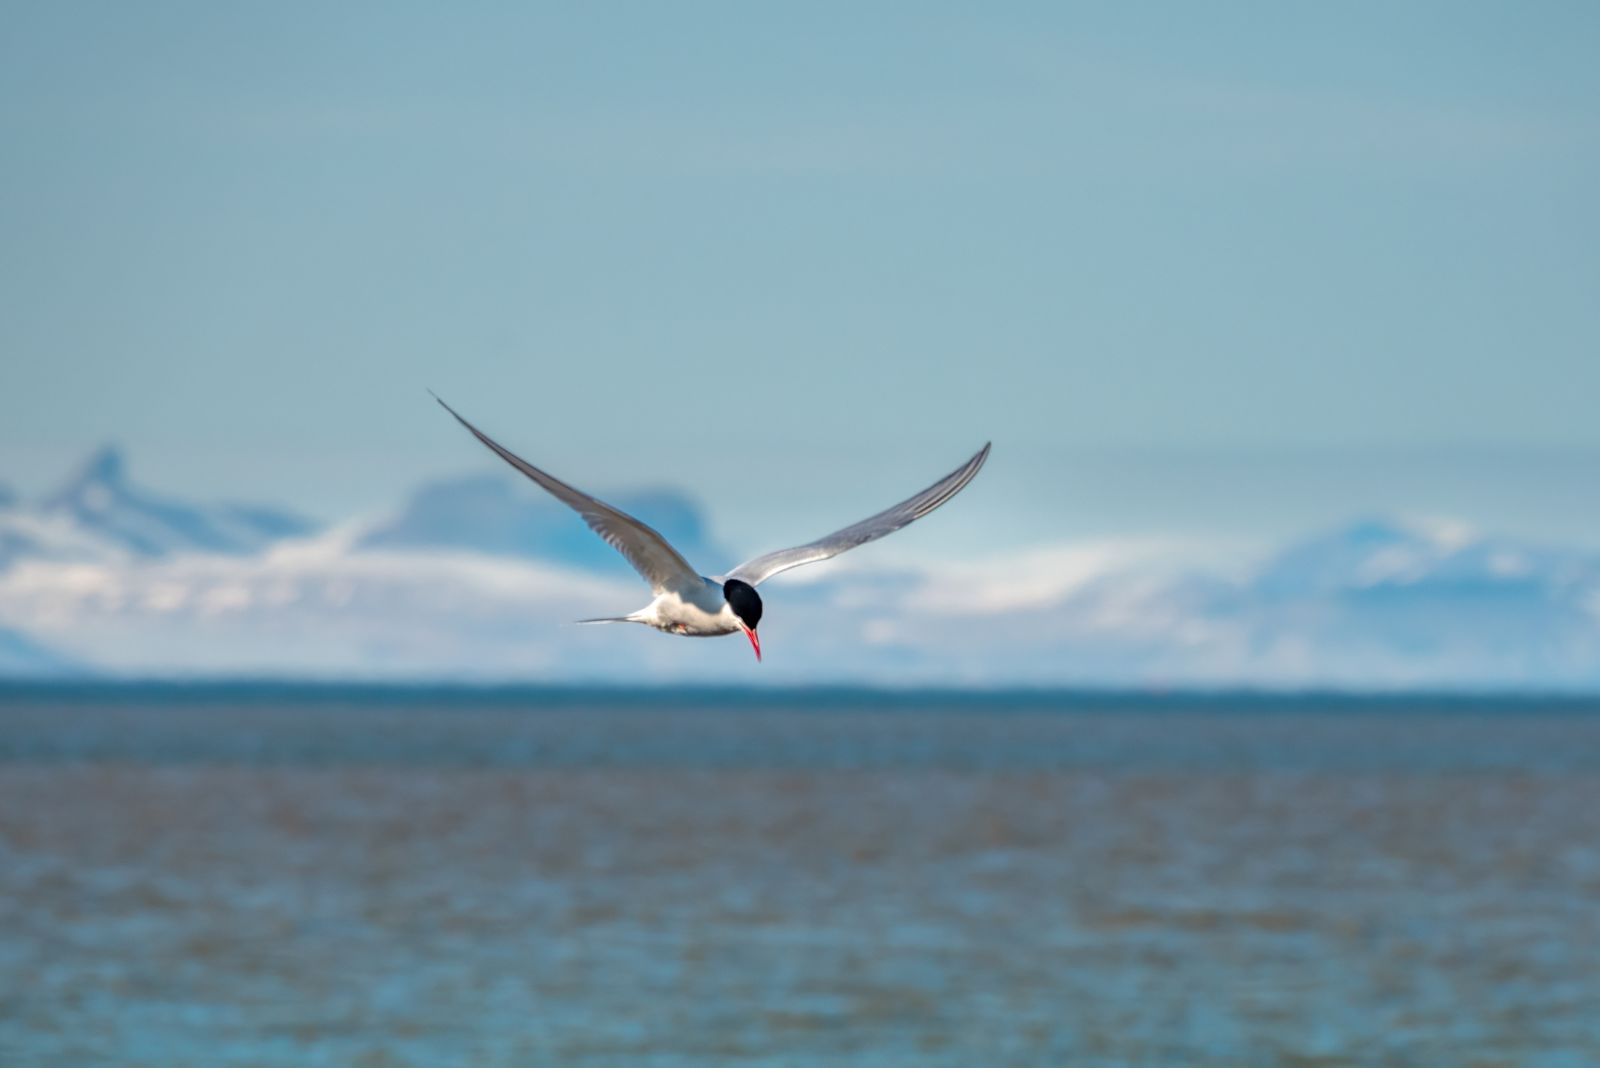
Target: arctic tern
689, 603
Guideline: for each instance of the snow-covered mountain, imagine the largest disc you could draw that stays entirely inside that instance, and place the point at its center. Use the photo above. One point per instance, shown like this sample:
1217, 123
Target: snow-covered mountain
1376, 555
98, 513
1422, 603
476, 577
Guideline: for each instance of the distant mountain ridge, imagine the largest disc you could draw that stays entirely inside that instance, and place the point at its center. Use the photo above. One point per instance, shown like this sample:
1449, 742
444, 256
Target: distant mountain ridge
1376, 554
98, 510
504, 516
1432, 602
474, 576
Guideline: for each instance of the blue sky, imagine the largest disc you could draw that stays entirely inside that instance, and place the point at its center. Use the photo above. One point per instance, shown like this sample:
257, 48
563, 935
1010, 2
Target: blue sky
1237, 269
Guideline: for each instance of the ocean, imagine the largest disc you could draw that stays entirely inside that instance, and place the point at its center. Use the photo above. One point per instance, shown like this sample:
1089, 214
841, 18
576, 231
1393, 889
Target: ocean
291, 876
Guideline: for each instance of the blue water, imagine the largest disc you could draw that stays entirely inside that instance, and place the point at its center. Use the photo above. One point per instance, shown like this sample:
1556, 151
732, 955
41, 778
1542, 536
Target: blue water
301, 876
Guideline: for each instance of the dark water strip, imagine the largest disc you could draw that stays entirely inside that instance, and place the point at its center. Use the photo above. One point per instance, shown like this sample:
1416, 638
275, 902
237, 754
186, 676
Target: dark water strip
314, 725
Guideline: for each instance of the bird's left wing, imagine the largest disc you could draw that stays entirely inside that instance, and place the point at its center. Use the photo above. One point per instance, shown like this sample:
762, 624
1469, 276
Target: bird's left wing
885, 522
648, 552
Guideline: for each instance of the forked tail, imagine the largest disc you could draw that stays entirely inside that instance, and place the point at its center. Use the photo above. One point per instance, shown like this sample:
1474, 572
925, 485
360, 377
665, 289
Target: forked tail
610, 619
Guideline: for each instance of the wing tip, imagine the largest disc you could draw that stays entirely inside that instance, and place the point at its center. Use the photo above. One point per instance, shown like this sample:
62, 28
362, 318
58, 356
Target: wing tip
455, 414
979, 458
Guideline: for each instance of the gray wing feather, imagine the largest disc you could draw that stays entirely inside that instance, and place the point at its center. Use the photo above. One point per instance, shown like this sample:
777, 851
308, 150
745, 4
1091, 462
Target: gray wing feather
885, 522
648, 552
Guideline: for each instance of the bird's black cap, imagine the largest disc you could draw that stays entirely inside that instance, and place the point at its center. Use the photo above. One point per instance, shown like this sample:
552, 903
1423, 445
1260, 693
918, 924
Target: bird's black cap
744, 601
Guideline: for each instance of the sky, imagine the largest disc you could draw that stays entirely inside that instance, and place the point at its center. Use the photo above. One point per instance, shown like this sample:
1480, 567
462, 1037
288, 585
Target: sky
1236, 270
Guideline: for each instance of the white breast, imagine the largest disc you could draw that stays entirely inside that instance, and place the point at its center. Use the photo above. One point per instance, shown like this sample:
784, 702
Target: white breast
702, 612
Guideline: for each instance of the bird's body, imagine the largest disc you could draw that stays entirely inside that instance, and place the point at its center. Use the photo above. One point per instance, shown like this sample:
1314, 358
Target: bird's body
687, 602
699, 611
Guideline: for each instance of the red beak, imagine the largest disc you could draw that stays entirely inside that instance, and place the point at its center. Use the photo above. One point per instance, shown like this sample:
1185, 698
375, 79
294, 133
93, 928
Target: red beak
755, 643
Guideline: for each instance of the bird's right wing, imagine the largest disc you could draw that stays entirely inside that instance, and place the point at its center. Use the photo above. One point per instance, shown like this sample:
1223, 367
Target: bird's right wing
648, 552
885, 522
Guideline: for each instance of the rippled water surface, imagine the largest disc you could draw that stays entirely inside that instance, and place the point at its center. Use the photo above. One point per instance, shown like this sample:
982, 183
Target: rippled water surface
366, 878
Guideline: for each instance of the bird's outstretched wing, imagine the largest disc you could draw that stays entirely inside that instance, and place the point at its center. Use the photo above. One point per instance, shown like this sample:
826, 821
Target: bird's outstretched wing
648, 552
885, 522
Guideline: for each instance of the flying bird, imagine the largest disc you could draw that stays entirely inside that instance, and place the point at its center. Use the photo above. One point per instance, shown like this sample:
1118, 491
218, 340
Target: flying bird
689, 603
